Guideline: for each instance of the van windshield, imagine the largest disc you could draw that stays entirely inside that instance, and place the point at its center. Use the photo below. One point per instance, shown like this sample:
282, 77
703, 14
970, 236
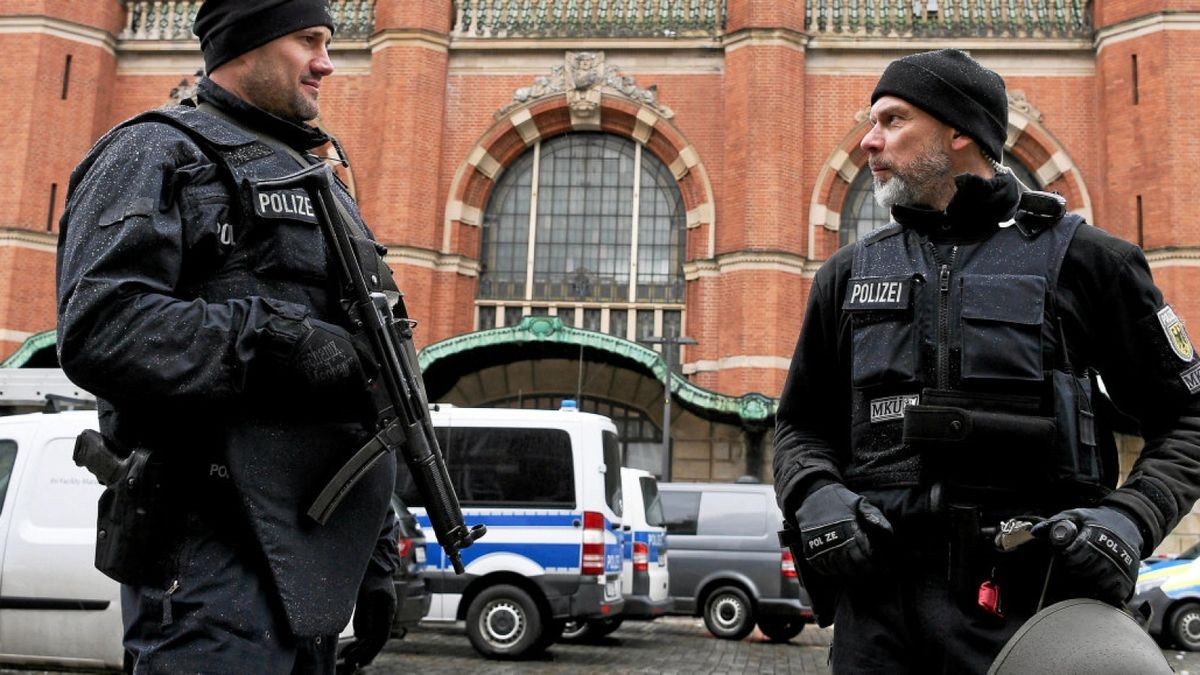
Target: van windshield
654, 509
612, 473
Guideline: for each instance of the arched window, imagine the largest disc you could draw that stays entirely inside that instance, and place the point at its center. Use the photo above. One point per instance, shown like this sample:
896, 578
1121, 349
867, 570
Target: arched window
862, 214
608, 228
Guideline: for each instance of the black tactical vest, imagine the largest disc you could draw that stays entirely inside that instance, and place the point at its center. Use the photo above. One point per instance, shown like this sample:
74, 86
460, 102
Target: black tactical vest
281, 453
959, 373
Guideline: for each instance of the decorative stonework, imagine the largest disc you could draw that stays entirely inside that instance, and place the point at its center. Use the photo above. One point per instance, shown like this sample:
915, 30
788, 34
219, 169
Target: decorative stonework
583, 78
186, 89
1017, 101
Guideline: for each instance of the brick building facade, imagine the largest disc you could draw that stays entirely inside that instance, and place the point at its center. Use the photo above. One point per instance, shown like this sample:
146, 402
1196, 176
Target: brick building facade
752, 108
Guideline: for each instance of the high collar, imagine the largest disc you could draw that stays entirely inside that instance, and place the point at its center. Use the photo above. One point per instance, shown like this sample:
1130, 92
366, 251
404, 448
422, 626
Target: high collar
978, 206
298, 136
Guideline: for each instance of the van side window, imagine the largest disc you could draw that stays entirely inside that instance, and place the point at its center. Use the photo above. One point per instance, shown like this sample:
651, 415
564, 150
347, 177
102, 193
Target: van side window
734, 514
681, 510
8, 457
650, 497
612, 473
492, 467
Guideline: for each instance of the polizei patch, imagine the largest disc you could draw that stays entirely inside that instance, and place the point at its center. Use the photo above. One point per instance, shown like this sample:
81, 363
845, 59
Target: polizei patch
892, 407
878, 293
284, 205
1177, 335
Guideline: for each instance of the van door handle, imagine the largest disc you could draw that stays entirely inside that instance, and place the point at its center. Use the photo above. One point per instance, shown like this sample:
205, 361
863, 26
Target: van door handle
577, 523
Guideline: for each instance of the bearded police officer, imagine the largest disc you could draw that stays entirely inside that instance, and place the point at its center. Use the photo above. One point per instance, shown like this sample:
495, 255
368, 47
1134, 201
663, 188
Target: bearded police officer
209, 326
941, 418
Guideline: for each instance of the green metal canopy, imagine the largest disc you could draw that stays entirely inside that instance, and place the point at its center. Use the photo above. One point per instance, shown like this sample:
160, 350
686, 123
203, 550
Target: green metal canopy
750, 408
30, 348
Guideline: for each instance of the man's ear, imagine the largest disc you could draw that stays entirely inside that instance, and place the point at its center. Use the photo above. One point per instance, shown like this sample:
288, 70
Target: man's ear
959, 140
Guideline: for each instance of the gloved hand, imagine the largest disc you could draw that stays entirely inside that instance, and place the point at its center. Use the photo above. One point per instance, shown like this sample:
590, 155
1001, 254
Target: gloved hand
840, 531
1104, 552
327, 356
373, 614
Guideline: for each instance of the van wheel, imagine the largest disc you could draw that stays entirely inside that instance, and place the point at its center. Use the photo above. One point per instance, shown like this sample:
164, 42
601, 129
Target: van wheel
780, 629
728, 614
1184, 624
503, 622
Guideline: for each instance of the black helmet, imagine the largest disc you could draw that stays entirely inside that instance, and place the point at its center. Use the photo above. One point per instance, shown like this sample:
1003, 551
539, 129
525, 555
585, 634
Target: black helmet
1080, 636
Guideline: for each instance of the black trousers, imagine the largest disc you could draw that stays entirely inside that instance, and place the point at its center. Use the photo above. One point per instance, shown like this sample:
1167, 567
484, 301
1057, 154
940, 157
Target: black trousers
912, 619
216, 613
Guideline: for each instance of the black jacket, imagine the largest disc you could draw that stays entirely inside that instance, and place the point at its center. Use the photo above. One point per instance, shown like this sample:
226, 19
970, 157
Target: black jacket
174, 306
1109, 308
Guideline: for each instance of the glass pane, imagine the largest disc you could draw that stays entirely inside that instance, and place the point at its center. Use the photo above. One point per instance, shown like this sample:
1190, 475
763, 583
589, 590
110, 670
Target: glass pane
645, 324
504, 242
734, 514
662, 233
487, 317
8, 457
512, 316
861, 214
582, 249
591, 319
618, 322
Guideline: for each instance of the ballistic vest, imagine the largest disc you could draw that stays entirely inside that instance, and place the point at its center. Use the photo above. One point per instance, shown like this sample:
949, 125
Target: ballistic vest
959, 369
280, 455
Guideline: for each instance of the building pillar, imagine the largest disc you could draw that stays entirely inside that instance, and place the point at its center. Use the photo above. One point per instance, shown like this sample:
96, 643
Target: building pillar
762, 208
58, 72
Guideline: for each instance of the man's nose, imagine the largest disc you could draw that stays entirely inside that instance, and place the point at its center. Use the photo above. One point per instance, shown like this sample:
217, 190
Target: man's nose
873, 141
322, 65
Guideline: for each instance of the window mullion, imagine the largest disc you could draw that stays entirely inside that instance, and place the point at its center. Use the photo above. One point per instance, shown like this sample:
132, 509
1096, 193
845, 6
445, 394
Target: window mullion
633, 237
533, 208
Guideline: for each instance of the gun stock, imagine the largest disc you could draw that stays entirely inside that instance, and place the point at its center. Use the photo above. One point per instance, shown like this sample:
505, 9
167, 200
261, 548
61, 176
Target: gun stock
402, 412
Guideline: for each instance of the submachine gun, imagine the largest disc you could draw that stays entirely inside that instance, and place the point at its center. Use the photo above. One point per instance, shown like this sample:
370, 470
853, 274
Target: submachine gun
402, 410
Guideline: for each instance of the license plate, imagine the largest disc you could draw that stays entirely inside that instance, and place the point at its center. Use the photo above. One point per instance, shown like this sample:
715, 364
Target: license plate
420, 551
612, 590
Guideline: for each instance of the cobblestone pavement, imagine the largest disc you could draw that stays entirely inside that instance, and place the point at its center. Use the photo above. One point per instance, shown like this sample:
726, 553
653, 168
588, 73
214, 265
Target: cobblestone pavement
668, 645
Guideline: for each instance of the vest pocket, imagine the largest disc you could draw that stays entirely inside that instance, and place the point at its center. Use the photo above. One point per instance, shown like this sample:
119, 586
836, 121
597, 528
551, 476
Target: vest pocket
884, 347
1002, 326
291, 250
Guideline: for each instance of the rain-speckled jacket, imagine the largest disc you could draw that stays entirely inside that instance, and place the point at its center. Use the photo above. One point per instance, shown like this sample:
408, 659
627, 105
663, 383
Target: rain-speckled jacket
175, 301
994, 346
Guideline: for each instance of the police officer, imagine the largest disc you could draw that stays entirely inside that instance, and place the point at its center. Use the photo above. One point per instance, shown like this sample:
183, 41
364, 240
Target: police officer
209, 325
941, 415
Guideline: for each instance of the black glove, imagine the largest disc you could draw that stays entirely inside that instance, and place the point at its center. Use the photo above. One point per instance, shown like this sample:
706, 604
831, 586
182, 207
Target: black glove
326, 356
373, 614
840, 531
1103, 553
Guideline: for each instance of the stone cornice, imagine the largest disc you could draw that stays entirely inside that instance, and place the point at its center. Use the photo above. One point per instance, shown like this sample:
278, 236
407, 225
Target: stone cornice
409, 38
614, 44
1172, 256
47, 242
59, 28
762, 37
742, 261
1145, 25
429, 259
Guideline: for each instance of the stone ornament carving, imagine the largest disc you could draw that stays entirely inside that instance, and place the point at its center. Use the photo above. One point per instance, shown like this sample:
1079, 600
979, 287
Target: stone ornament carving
186, 89
1016, 99
583, 78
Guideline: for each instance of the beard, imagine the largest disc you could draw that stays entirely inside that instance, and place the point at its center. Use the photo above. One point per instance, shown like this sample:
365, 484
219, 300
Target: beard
270, 89
922, 181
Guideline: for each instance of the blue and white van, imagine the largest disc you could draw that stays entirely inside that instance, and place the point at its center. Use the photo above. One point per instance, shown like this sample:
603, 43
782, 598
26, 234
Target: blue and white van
548, 486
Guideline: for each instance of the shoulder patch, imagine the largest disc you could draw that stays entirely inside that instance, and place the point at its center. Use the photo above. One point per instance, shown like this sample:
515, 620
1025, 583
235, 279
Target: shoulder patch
1177, 335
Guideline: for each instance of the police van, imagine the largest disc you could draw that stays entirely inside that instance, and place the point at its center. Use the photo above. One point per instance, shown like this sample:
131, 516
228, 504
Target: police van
645, 582
547, 483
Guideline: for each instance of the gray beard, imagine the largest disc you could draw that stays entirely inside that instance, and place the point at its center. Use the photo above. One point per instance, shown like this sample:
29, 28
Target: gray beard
921, 182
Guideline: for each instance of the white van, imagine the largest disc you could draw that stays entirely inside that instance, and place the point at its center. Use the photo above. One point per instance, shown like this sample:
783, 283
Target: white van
56, 609
548, 486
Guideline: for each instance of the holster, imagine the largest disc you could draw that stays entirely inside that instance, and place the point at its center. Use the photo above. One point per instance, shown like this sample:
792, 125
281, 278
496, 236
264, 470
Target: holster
130, 512
823, 590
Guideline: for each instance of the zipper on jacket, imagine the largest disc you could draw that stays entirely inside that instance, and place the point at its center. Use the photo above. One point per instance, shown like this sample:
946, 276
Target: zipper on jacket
943, 319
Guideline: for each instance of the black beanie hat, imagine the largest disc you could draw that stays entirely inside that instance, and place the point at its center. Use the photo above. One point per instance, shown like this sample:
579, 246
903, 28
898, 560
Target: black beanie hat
953, 87
229, 28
